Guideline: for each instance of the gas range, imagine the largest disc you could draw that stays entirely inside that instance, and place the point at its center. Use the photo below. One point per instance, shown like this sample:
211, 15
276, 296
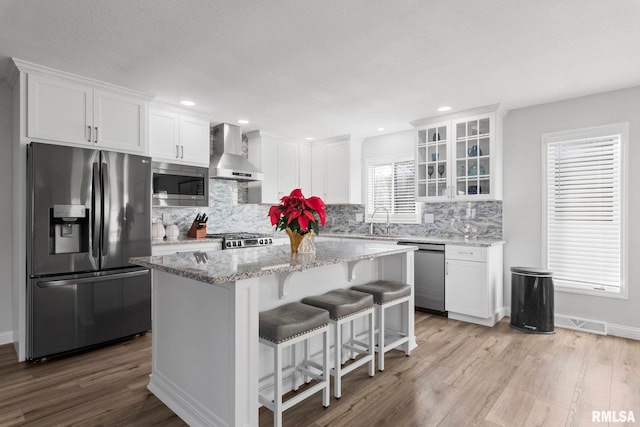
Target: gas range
242, 240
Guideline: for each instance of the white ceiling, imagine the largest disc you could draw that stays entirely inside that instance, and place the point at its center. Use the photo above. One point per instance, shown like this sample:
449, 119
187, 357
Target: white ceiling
317, 68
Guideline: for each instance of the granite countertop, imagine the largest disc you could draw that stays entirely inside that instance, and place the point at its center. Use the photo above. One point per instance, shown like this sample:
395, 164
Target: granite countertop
182, 239
232, 265
419, 239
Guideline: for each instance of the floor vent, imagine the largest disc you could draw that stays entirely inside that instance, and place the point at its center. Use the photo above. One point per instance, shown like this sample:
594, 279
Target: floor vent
579, 324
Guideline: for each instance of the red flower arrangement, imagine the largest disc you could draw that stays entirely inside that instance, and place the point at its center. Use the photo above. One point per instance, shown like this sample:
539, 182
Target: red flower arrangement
298, 213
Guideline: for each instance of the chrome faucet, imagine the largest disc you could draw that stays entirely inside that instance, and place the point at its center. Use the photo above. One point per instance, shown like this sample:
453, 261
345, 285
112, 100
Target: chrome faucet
373, 214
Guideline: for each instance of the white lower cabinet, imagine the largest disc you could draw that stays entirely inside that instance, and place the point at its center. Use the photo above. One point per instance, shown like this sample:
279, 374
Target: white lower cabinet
473, 283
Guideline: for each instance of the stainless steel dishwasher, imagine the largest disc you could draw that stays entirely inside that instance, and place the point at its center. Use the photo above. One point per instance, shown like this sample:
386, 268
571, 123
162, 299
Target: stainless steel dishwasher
429, 277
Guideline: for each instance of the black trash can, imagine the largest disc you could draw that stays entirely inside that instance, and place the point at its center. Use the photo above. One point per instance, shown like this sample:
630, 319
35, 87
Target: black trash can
532, 300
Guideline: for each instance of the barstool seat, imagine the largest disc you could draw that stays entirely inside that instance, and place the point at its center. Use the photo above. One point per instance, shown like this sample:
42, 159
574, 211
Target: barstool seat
290, 320
386, 294
345, 306
284, 327
384, 291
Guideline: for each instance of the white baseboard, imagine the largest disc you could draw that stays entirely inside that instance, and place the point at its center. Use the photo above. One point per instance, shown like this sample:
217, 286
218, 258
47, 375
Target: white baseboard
181, 403
623, 331
6, 337
612, 329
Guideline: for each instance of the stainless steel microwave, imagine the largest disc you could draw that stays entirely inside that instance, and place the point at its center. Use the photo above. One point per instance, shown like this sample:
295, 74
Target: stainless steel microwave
179, 185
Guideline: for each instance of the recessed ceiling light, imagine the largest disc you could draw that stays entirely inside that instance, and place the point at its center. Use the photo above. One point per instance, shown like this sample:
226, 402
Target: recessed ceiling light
187, 103
243, 121
308, 138
380, 129
444, 109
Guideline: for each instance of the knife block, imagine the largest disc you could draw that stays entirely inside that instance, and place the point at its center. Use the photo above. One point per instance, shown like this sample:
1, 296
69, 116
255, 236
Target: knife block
197, 231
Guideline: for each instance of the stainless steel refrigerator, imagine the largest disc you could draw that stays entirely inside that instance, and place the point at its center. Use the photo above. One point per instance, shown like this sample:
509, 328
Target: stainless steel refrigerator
88, 212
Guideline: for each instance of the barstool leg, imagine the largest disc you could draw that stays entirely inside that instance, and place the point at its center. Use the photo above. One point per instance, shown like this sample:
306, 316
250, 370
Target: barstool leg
326, 393
405, 317
372, 344
307, 379
381, 338
337, 361
352, 354
294, 377
277, 388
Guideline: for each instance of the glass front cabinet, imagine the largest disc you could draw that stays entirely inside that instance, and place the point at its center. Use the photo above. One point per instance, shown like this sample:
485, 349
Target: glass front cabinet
459, 158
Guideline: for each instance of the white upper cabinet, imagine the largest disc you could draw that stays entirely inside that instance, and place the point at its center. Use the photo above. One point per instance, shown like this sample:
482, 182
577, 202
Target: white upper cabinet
332, 172
59, 110
119, 121
68, 111
285, 165
164, 135
178, 137
195, 140
459, 156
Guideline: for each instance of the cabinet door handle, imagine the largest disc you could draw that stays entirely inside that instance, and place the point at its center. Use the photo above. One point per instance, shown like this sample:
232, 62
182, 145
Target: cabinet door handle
90, 134
446, 268
177, 151
96, 128
182, 151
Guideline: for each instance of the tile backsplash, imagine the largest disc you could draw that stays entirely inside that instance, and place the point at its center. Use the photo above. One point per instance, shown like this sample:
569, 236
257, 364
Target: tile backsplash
450, 219
228, 213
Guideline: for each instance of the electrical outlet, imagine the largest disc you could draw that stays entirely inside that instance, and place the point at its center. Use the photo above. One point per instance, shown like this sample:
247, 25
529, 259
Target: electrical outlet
359, 217
429, 218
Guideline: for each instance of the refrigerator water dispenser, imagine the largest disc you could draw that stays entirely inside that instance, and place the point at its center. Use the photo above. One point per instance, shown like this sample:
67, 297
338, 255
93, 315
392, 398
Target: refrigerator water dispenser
69, 227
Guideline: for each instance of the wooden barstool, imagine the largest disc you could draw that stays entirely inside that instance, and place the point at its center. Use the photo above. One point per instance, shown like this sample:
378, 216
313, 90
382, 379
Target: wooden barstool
344, 307
387, 294
284, 327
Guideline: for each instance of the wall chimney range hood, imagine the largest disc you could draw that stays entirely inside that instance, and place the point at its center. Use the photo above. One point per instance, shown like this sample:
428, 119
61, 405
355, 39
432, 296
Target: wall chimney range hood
227, 161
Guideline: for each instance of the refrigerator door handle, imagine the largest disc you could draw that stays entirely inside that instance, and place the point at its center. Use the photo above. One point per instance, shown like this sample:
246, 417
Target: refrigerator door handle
96, 196
106, 208
127, 275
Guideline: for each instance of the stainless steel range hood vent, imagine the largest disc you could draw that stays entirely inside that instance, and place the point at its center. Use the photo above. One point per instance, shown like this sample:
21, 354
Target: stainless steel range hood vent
227, 161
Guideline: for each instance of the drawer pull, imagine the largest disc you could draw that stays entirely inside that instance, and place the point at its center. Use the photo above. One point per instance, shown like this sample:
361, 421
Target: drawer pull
465, 253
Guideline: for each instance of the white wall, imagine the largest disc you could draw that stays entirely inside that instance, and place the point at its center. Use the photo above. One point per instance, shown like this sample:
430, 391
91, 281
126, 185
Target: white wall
6, 209
522, 208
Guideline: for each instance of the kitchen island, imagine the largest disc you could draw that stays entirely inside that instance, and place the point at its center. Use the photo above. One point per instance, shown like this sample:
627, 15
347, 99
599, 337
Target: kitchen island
207, 365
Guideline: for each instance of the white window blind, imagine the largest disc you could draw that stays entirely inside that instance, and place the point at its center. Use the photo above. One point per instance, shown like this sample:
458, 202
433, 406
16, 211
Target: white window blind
584, 213
391, 187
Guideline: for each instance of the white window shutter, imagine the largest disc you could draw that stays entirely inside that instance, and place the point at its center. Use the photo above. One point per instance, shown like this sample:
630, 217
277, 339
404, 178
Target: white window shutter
584, 224
391, 187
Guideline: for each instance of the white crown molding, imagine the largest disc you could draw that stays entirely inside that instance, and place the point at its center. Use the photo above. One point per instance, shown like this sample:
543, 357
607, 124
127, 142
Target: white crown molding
493, 108
31, 68
178, 109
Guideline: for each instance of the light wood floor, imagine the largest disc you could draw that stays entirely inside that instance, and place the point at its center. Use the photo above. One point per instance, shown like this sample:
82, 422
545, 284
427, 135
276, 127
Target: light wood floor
460, 374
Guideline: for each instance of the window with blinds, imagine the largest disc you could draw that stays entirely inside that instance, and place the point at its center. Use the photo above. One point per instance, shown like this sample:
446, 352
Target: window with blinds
391, 188
584, 210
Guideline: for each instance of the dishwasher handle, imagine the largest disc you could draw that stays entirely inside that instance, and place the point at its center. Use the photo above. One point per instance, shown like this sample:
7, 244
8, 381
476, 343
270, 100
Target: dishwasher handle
435, 247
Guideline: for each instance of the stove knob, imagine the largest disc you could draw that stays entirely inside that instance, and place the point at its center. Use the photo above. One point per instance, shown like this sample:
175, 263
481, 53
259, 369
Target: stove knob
270, 241
240, 243
228, 244
233, 243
